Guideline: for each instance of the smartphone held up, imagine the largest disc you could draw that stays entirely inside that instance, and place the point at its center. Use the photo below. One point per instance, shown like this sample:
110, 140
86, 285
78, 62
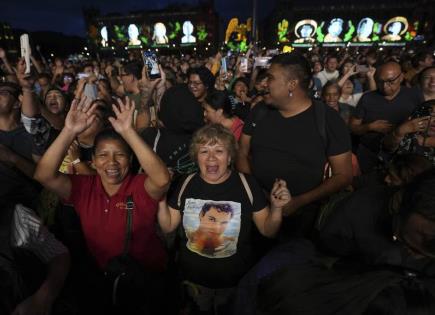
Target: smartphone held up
151, 62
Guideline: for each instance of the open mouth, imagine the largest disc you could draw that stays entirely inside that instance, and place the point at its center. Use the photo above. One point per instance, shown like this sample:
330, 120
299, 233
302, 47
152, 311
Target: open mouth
212, 169
113, 173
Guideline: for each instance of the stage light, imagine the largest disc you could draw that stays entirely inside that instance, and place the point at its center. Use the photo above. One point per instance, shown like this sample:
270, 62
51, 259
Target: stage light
52, 55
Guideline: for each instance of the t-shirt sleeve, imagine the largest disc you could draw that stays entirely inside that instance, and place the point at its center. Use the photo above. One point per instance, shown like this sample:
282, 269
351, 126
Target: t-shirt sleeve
360, 111
260, 201
140, 192
337, 134
79, 185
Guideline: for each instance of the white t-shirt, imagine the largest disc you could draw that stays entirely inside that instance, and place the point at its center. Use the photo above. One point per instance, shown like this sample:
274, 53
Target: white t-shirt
352, 100
325, 76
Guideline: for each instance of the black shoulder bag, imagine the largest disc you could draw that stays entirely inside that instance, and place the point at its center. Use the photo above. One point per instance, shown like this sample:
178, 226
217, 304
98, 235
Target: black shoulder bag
124, 275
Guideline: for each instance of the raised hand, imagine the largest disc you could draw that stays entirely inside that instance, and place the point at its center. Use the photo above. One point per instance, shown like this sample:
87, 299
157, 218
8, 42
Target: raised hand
124, 116
279, 195
371, 72
80, 116
414, 125
2, 53
24, 79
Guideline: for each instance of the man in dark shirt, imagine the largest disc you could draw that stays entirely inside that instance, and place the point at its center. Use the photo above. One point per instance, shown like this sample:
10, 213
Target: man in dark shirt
379, 111
16, 164
287, 143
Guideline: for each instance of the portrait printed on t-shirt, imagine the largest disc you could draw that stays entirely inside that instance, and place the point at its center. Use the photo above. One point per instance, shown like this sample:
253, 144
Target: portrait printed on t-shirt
212, 227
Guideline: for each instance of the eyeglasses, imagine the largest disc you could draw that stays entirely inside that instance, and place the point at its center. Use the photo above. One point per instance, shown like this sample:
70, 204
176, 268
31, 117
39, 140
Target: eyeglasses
389, 82
193, 83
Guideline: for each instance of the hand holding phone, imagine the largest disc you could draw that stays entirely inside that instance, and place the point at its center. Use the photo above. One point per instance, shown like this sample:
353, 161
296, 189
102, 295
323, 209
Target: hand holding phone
152, 64
25, 51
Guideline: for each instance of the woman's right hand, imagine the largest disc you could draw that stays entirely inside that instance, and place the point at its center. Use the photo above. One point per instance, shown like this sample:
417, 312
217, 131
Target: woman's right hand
412, 126
80, 116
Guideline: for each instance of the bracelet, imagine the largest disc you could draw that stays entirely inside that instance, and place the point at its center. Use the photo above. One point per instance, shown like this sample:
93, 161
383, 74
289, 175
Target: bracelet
76, 161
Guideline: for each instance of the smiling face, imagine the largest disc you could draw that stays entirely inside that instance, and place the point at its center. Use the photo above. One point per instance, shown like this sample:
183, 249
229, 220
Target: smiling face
331, 96
197, 87
112, 163
213, 161
55, 102
428, 81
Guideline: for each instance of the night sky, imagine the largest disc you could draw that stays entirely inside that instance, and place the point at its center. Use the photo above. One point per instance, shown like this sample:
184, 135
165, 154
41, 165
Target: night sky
66, 16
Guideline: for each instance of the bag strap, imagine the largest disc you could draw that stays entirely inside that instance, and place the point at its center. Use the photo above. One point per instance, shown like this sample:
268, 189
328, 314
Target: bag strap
156, 140
183, 188
129, 224
247, 188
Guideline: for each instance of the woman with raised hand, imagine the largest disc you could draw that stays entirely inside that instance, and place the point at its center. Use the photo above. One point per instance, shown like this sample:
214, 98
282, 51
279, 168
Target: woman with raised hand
100, 200
217, 208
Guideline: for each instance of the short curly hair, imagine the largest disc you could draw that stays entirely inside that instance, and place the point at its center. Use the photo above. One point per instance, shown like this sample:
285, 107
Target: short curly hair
212, 134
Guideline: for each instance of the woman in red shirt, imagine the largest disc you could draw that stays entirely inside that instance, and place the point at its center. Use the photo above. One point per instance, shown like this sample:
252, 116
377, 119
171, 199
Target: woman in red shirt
218, 110
100, 200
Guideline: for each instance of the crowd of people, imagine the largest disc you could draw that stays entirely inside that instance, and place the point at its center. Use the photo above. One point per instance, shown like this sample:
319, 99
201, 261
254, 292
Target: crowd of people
302, 186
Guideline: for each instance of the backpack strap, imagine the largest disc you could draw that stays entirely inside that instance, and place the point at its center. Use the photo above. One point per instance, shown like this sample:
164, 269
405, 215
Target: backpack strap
247, 188
156, 141
183, 188
129, 224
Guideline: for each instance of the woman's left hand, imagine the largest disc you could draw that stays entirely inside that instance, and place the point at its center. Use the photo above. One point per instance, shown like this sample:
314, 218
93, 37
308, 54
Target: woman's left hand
279, 195
124, 116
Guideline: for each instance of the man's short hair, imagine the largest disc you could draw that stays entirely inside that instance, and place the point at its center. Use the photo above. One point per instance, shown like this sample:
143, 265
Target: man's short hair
220, 207
11, 87
134, 68
297, 67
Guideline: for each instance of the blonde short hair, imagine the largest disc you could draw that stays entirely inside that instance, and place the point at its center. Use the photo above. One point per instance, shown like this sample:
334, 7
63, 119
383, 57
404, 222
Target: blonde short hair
212, 134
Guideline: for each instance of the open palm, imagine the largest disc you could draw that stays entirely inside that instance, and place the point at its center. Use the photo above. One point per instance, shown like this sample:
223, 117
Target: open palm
80, 116
124, 116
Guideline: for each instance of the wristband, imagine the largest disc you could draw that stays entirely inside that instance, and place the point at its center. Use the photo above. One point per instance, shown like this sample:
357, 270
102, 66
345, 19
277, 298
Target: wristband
76, 161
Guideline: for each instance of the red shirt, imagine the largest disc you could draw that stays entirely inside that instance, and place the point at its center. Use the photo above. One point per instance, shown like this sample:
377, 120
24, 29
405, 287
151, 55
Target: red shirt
103, 220
237, 128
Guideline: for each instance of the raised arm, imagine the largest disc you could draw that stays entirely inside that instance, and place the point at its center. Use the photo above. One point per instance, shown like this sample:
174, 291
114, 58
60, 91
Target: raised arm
352, 71
30, 106
5, 60
158, 179
80, 116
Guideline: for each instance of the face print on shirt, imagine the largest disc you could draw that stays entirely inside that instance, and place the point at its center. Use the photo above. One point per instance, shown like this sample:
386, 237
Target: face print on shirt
212, 227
